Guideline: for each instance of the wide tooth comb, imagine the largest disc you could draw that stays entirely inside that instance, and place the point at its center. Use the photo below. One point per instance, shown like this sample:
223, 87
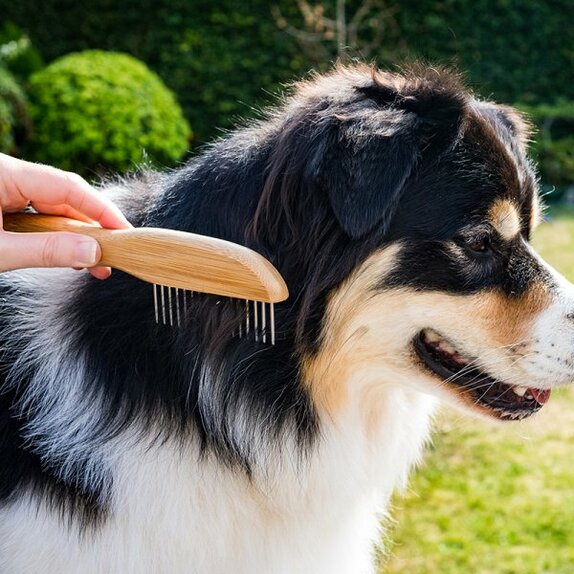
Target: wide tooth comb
179, 264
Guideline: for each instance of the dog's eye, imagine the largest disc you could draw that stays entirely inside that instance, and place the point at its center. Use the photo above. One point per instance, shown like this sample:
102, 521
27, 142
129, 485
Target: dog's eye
479, 245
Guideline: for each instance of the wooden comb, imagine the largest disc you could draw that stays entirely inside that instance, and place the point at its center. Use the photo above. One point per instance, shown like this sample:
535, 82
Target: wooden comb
178, 264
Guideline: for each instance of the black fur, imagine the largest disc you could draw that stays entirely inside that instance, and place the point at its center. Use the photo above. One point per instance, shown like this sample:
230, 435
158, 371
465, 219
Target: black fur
349, 163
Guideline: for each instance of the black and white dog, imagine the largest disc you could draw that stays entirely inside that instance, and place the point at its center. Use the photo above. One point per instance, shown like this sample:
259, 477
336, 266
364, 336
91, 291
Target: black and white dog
398, 209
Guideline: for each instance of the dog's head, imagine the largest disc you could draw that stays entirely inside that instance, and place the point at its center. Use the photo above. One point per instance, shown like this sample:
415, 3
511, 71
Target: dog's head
410, 205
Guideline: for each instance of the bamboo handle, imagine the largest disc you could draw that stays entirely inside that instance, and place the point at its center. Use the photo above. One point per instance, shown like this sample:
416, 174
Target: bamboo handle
173, 258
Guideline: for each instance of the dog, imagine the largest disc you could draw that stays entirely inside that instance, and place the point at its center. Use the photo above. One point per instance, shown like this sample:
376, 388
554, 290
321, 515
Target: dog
398, 207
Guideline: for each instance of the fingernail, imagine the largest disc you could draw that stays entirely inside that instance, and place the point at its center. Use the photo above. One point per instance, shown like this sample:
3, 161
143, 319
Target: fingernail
86, 253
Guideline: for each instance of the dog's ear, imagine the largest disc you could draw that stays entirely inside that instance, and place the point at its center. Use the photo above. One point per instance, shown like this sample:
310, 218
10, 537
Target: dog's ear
515, 124
366, 169
373, 150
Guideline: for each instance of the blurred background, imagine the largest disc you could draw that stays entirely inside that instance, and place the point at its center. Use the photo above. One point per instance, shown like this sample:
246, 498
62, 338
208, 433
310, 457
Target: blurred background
222, 60
102, 86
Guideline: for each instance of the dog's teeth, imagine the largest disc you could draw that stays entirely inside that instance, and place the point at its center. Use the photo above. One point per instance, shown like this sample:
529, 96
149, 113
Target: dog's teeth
432, 336
520, 391
447, 348
458, 358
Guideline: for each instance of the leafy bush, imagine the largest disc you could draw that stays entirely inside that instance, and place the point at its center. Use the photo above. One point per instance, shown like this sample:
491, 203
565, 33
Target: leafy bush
553, 145
94, 110
13, 112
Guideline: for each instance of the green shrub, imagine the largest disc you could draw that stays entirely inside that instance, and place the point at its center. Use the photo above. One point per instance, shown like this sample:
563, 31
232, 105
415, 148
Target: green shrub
553, 145
95, 111
13, 112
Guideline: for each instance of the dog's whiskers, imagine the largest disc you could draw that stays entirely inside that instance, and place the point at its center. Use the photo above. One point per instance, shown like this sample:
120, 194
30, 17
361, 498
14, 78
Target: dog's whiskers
474, 363
482, 380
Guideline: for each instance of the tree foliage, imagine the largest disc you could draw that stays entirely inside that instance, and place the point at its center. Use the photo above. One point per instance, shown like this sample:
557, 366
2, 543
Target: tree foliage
222, 58
514, 50
13, 111
553, 145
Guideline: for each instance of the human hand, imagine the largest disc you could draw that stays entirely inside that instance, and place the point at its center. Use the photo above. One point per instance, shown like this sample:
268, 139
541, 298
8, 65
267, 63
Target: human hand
52, 191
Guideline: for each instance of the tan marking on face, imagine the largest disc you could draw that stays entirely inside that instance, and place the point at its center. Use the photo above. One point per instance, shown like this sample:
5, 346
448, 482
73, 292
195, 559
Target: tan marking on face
367, 337
504, 217
509, 320
344, 348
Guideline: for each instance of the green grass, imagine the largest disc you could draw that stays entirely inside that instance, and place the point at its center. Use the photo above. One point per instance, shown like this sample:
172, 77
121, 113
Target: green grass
493, 499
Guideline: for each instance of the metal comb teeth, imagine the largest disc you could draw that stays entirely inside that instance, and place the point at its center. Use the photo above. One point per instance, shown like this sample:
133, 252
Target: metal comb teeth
170, 306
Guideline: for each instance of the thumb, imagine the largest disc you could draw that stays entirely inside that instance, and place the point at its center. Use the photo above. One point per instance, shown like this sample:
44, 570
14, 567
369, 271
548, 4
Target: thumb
21, 250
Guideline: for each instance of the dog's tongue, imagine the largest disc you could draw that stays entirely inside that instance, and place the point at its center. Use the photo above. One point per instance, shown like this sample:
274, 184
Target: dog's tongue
540, 395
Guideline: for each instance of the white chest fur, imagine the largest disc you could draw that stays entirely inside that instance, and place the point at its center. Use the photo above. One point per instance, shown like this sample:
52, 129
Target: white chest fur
174, 512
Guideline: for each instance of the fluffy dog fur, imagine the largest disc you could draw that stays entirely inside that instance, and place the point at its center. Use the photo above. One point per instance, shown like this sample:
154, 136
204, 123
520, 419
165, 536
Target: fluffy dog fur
398, 209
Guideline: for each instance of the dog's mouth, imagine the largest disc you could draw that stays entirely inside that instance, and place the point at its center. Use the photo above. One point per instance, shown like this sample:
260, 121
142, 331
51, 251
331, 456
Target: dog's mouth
502, 400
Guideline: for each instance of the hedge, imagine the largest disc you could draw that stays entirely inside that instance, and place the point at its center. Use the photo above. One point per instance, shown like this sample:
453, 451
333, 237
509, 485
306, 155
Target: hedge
553, 144
222, 58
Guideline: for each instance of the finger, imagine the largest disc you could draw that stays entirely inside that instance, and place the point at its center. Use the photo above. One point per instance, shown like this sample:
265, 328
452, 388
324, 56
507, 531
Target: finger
19, 250
63, 209
100, 272
97, 272
45, 184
